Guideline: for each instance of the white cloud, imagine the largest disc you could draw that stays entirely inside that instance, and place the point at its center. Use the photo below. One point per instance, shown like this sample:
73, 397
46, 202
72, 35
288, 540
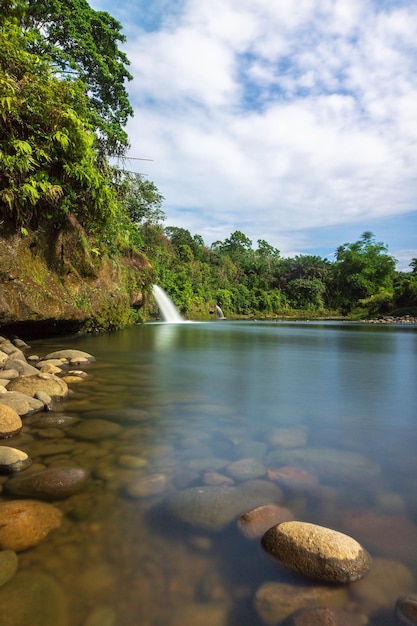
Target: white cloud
276, 117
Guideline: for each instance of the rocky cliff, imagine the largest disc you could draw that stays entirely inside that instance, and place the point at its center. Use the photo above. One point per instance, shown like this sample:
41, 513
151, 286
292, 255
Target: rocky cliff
54, 282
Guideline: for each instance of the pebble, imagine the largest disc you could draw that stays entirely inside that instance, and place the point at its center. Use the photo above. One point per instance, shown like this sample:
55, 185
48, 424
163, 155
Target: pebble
10, 422
294, 478
25, 523
406, 609
147, 486
276, 601
50, 484
246, 469
23, 404
287, 437
13, 460
256, 522
8, 565
95, 429
317, 552
33, 598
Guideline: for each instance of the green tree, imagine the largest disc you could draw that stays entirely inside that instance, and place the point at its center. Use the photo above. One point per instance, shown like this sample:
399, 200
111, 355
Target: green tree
362, 270
140, 197
82, 43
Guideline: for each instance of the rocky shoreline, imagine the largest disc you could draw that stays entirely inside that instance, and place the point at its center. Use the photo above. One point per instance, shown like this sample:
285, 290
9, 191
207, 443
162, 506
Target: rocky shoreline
325, 560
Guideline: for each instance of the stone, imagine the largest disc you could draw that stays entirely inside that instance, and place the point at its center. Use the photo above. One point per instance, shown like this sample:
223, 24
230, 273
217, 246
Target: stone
256, 522
21, 403
214, 507
9, 374
406, 609
23, 368
216, 478
13, 460
288, 437
8, 565
317, 552
55, 387
33, 598
70, 355
380, 589
147, 486
246, 469
95, 429
53, 421
323, 616
275, 602
25, 523
101, 616
294, 478
10, 422
50, 484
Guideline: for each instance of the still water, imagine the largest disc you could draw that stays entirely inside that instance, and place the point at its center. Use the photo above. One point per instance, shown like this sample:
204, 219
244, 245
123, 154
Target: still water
338, 400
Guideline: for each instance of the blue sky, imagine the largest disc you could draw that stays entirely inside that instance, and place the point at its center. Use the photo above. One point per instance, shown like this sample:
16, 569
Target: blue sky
293, 121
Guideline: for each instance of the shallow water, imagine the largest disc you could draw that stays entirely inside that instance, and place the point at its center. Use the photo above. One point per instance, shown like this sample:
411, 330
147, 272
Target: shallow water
193, 398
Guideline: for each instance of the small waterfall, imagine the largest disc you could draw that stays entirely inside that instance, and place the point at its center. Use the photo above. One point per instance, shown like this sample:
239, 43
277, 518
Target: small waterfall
167, 308
219, 313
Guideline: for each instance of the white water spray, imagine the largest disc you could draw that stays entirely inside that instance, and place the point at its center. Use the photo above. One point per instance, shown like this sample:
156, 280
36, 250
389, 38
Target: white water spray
167, 308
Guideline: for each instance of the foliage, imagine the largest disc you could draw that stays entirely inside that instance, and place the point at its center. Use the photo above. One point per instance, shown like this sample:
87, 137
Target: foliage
82, 43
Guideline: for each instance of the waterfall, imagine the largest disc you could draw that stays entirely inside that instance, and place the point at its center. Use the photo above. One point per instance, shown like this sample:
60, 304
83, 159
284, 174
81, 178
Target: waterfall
219, 313
167, 308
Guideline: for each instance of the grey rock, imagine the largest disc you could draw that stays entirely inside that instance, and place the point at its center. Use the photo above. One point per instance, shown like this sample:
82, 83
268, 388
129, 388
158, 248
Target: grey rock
69, 355
23, 368
23, 404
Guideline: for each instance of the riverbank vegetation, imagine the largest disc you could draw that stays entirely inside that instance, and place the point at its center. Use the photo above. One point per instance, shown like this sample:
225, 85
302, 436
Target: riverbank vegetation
63, 109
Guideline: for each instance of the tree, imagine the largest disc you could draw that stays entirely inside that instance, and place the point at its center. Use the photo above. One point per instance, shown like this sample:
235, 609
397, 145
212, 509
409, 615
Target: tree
140, 197
362, 270
82, 43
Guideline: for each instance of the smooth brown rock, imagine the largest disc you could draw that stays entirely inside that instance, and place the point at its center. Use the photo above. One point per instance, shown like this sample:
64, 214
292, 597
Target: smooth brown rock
13, 460
275, 602
256, 522
95, 429
49, 484
8, 566
25, 523
406, 609
55, 387
10, 422
317, 552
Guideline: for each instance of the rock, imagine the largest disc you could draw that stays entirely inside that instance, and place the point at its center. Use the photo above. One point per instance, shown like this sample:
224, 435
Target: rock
256, 522
70, 355
50, 484
33, 598
406, 609
330, 464
23, 405
214, 507
101, 616
323, 616
275, 602
13, 460
287, 437
23, 368
10, 422
72, 379
25, 523
53, 421
386, 581
9, 374
95, 429
294, 478
215, 478
8, 565
246, 469
147, 486
317, 552
50, 384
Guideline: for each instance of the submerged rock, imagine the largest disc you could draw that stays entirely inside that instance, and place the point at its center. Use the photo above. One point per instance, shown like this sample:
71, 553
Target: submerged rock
317, 552
25, 523
406, 609
49, 484
256, 522
8, 565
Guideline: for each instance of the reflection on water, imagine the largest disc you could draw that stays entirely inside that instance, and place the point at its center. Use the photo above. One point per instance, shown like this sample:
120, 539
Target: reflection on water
337, 400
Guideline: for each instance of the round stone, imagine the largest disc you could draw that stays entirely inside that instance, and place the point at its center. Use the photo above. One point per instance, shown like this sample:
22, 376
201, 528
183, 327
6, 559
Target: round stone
317, 552
147, 486
10, 422
50, 484
256, 522
95, 429
246, 469
406, 609
70, 355
55, 387
8, 565
25, 523
13, 460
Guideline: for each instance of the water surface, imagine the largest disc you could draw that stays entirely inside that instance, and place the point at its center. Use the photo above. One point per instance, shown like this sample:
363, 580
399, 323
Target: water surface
193, 398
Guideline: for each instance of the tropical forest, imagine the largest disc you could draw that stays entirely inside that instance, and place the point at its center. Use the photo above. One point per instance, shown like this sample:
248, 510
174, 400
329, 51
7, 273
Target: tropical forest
83, 238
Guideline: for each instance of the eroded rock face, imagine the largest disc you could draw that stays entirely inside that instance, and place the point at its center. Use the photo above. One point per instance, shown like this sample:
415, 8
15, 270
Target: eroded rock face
317, 552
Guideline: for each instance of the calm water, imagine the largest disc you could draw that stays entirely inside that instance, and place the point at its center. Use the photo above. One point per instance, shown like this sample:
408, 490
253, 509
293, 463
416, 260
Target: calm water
191, 399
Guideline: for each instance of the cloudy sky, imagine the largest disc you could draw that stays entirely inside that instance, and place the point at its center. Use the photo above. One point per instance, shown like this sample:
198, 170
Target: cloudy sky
293, 121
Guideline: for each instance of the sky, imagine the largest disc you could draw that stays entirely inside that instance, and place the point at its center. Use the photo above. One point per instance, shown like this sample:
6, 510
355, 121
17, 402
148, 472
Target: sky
292, 121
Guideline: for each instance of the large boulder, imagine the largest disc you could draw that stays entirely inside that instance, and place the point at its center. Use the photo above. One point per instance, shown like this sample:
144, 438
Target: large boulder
317, 552
50, 384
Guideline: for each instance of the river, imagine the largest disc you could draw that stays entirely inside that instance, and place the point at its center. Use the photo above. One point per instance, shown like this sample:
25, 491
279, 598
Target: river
338, 400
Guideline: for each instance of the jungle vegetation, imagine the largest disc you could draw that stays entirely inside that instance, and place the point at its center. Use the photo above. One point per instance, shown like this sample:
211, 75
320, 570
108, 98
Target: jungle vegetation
63, 111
